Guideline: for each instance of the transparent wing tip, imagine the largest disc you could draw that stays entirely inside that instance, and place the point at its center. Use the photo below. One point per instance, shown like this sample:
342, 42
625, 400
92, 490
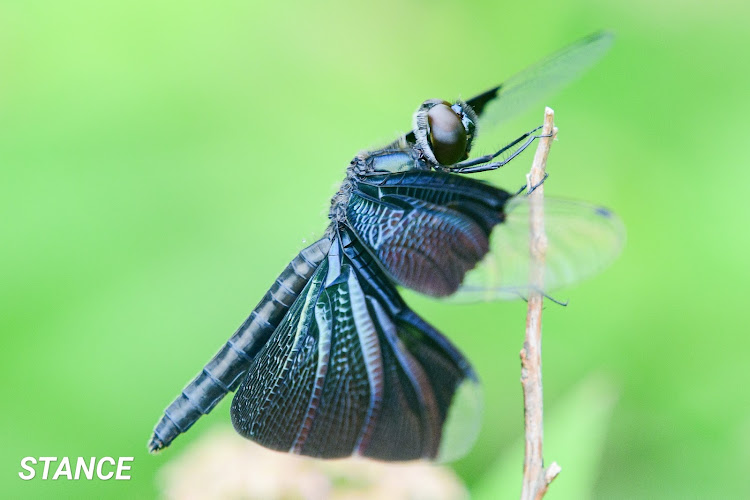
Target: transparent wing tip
463, 422
583, 240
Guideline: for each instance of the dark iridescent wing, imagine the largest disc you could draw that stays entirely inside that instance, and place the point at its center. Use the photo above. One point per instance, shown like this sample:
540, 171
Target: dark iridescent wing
583, 239
433, 231
352, 371
540, 81
426, 228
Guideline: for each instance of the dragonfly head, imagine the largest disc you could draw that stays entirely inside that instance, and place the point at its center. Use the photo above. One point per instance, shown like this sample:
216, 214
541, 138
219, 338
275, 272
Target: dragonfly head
445, 131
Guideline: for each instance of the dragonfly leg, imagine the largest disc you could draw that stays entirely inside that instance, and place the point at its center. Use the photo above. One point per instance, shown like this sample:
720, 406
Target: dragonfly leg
482, 163
546, 296
531, 190
558, 302
523, 188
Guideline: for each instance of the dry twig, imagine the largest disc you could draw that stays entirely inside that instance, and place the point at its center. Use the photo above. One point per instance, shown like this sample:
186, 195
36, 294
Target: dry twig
536, 478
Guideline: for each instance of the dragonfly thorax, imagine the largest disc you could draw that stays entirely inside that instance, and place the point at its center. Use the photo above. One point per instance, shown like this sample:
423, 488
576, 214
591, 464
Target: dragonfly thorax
341, 198
402, 155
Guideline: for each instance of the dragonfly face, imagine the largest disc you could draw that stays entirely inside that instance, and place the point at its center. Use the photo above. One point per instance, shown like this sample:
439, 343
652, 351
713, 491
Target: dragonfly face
445, 131
332, 362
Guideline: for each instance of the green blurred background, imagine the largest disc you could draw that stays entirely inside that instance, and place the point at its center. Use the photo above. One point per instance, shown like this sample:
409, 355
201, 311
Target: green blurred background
145, 146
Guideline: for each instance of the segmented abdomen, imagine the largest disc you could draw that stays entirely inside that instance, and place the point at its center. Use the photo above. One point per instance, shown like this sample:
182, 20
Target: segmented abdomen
226, 369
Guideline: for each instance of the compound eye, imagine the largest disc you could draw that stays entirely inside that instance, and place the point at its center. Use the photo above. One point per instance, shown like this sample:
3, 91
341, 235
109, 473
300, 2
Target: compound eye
447, 134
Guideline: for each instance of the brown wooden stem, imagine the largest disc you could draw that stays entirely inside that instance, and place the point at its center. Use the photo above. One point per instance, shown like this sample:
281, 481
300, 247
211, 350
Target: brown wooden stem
536, 478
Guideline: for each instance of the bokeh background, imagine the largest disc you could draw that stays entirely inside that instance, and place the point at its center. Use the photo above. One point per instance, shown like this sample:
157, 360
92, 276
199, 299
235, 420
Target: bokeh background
161, 161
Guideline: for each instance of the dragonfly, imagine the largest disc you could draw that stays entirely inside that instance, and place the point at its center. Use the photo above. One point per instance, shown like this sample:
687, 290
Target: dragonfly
332, 362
